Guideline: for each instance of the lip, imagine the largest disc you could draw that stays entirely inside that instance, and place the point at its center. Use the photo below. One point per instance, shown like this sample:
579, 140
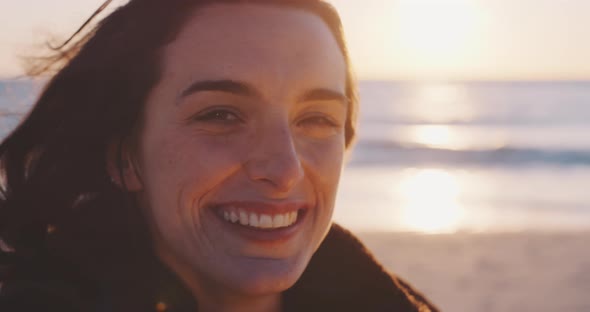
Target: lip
273, 236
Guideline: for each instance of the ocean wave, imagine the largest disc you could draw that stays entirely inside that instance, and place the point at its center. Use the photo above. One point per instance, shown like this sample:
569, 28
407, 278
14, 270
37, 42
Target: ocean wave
375, 152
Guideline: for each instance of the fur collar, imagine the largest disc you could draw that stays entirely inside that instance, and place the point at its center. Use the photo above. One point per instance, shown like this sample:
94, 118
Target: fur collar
344, 276
341, 276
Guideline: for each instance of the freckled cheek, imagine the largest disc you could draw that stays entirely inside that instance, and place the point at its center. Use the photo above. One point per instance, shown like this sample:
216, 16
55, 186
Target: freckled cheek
324, 163
193, 164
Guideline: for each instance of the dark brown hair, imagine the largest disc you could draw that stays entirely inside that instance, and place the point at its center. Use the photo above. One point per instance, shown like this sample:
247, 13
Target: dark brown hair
56, 193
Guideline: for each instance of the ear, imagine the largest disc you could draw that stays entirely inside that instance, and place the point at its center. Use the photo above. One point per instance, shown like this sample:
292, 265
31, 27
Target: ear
121, 167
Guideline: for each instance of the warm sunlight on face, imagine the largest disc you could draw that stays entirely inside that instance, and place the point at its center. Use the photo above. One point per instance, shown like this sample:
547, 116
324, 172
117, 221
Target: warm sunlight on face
430, 200
436, 32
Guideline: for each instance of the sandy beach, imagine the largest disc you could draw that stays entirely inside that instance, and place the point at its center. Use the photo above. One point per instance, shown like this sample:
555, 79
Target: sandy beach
492, 272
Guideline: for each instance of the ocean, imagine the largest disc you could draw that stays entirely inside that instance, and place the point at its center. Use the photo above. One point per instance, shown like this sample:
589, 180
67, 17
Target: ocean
438, 157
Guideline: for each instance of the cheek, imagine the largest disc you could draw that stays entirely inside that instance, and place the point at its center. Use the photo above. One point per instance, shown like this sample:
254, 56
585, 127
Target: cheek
181, 162
323, 162
326, 158
179, 168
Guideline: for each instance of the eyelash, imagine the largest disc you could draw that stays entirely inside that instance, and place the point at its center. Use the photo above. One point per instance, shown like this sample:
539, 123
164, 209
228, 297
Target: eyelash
320, 120
217, 115
221, 115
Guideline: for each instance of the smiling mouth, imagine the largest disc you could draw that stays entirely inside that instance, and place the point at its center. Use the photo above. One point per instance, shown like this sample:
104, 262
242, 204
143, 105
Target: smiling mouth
266, 220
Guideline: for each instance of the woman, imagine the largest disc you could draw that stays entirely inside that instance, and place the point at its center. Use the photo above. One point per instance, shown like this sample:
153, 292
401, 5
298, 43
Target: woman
186, 157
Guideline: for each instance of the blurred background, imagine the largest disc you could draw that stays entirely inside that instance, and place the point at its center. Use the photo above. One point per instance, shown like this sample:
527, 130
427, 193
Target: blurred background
471, 176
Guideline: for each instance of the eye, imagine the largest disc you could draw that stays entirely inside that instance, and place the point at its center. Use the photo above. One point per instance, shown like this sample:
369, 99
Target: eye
318, 121
218, 115
320, 125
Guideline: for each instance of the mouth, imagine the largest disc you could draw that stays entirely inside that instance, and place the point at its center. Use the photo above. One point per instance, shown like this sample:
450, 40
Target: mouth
262, 218
260, 221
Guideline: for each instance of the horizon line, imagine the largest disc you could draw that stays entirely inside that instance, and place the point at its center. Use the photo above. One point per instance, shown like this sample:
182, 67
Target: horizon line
393, 79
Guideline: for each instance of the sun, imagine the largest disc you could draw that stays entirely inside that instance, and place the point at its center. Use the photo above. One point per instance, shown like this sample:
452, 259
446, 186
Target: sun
436, 30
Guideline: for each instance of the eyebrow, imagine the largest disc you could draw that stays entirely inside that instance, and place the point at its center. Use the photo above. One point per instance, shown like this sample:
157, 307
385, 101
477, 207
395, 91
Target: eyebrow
245, 89
324, 95
229, 86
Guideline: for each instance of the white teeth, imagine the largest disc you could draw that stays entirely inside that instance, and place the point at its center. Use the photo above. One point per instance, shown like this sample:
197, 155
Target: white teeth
243, 217
279, 221
263, 221
253, 220
234, 217
292, 217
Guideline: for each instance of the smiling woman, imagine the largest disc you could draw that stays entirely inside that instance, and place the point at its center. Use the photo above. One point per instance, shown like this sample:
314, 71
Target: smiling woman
190, 164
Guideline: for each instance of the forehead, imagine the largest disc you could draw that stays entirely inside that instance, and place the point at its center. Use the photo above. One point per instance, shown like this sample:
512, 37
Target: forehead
260, 44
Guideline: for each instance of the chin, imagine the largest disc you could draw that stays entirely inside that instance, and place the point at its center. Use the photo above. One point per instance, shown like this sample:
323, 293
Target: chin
265, 276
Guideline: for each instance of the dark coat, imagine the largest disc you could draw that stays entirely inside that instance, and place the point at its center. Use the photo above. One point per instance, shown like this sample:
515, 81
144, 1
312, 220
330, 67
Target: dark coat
342, 276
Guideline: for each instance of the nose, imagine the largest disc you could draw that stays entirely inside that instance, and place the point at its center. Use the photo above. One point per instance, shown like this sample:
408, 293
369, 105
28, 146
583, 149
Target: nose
274, 162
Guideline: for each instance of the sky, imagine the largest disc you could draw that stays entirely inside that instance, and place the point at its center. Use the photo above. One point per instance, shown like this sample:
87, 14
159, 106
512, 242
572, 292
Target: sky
388, 39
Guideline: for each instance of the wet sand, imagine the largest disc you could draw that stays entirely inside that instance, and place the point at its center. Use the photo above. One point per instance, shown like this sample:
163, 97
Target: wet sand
492, 272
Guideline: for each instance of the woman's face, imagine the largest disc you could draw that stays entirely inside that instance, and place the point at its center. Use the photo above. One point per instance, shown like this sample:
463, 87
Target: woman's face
241, 146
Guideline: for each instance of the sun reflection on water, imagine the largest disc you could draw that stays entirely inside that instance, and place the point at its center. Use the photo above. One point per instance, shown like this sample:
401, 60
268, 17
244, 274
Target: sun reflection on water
436, 136
430, 200
441, 103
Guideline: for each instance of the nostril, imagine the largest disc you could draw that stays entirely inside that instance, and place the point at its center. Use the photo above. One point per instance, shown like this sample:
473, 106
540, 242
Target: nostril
278, 172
